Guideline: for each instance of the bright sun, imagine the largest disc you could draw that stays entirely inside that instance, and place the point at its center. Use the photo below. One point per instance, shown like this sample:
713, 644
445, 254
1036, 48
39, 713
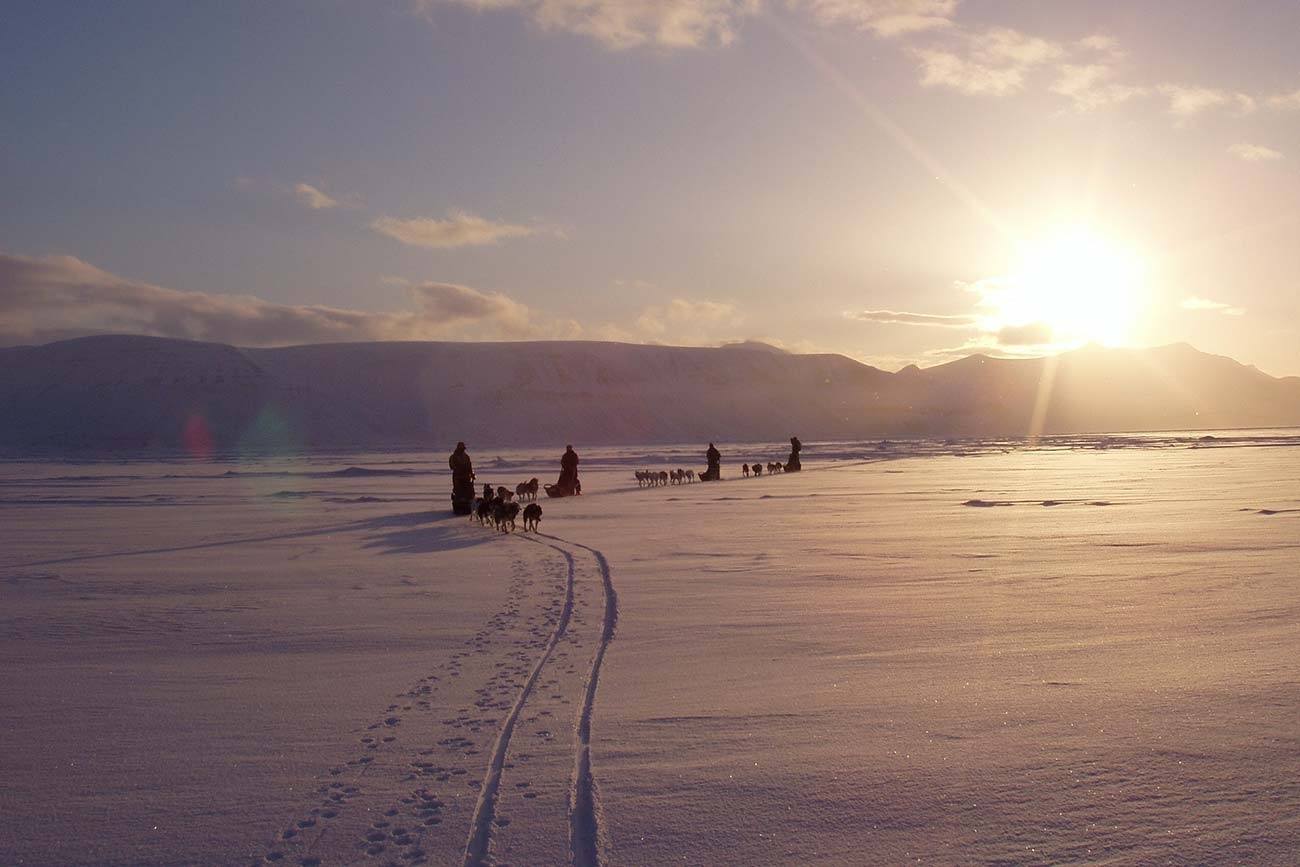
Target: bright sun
1069, 288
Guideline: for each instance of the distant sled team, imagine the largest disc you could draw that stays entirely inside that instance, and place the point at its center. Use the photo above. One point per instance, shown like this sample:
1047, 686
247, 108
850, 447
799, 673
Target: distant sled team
651, 478
498, 507
713, 472
791, 465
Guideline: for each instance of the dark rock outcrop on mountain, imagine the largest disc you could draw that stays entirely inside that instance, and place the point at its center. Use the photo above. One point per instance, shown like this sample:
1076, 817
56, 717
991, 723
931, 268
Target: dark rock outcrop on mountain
136, 393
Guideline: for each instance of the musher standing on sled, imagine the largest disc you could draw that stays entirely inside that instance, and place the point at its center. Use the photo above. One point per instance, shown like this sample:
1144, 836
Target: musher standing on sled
793, 465
567, 485
462, 481
714, 472
568, 482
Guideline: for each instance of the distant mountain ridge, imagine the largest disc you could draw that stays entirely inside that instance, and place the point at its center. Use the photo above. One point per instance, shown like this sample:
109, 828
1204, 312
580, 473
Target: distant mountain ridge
139, 393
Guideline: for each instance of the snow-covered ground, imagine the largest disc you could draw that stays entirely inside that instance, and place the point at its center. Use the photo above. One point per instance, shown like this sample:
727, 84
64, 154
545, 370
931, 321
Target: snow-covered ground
964, 652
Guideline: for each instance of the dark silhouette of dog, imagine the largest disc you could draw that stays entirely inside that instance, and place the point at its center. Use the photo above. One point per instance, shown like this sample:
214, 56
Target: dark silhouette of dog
504, 514
527, 490
532, 517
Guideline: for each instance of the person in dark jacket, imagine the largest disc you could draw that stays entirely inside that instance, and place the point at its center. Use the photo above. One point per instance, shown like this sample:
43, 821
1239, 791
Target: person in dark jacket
714, 458
462, 480
568, 483
792, 465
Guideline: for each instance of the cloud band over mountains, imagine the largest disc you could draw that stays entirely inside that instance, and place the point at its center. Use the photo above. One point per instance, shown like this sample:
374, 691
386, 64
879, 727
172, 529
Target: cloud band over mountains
904, 318
59, 297
44, 299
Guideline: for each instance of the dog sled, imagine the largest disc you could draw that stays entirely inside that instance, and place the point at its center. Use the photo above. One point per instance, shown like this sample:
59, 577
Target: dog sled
462, 496
567, 485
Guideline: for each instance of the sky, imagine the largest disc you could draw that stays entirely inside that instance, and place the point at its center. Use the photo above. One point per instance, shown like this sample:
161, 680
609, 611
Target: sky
900, 181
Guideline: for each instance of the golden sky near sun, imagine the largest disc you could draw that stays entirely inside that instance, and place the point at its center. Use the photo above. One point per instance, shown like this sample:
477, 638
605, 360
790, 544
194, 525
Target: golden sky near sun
903, 182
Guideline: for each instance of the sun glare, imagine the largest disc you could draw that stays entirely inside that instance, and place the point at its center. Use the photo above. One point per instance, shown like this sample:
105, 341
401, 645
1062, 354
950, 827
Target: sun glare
1067, 289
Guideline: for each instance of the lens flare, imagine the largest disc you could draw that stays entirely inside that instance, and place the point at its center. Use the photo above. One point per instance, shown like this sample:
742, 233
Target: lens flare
197, 437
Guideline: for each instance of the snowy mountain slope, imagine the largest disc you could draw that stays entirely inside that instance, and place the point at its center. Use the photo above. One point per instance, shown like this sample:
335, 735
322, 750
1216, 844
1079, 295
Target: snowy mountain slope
126, 392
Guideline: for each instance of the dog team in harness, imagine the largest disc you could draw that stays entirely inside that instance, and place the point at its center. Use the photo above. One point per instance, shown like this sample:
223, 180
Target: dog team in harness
568, 485
714, 459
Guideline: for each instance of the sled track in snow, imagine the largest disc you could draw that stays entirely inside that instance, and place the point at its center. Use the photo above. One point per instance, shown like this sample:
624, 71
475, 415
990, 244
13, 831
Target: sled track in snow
584, 801
476, 847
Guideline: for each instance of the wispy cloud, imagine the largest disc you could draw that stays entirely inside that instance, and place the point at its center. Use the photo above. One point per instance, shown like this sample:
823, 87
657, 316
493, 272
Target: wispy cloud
992, 345
1188, 101
903, 318
44, 299
1003, 319
678, 321
1102, 45
990, 62
1004, 45
946, 69
998, 61
1029, 339
623, 24
1207, 305
1029, 334
1285, 101
1090, 86
314, 197
884, 18
1254, 153
682, 315
307, 195
1026, 339
459, 229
